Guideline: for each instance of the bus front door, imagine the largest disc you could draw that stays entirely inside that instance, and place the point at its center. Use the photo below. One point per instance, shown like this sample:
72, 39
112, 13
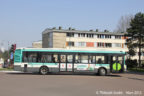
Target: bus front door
66, 63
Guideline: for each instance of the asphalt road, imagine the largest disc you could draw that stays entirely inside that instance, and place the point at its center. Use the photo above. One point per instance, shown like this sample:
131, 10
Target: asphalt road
25, 84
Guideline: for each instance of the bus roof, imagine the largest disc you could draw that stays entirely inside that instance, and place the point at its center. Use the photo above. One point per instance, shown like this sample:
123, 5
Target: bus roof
70, 50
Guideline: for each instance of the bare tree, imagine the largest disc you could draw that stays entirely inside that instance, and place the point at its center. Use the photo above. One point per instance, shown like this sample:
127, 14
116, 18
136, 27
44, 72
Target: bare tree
124, 23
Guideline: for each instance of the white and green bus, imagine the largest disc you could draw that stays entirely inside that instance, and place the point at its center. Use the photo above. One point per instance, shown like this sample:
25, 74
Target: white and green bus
46, 60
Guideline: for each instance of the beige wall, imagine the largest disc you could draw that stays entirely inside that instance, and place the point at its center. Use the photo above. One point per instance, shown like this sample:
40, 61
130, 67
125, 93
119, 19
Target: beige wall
59, 40
37, 45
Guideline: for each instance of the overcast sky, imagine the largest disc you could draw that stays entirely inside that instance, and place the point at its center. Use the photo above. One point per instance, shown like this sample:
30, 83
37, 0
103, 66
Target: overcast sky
22, 21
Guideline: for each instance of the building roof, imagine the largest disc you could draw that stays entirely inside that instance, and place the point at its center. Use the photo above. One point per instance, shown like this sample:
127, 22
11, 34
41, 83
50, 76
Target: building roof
40, 41
79, 31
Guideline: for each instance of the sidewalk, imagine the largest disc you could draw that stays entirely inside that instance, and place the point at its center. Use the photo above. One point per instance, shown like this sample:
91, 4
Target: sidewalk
133, 72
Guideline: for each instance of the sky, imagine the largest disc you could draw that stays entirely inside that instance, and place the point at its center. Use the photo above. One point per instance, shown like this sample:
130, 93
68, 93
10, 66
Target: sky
22, 21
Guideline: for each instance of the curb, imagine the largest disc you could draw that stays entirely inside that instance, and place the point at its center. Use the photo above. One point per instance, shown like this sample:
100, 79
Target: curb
10, 71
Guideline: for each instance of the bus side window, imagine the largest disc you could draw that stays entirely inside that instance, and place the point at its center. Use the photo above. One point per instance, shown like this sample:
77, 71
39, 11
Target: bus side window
25, 59
38, 59
84, 58
100, 59
63, 58
69, 58
55, 58
30, 58
46, 58
77, 58
43, 59
106, 60
34, 59
91, 59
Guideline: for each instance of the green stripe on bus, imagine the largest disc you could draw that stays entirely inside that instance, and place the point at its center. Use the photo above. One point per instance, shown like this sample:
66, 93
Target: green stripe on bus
34, 50
102, 64
43, 63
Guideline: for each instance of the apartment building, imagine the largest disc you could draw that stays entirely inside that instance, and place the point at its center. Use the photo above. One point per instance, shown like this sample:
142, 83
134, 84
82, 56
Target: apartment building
77, 39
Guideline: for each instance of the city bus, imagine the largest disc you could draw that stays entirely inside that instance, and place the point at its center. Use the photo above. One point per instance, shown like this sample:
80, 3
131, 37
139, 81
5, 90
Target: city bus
48, 60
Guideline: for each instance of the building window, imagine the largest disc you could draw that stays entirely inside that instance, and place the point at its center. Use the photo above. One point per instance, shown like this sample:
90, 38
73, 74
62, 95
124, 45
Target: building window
99, 44
118, 45
83, 35
117, 37
82, 44
107, 36
108, 44
101, 36
70, 43
89, 35
95, 44
70, 34
78, 34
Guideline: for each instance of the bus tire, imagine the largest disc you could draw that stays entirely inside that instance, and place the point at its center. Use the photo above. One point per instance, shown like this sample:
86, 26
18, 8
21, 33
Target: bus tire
44, 70
102, 71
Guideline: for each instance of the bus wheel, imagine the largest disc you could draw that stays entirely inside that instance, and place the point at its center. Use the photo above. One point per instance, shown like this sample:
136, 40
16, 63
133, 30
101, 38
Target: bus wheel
102, 72
44, 70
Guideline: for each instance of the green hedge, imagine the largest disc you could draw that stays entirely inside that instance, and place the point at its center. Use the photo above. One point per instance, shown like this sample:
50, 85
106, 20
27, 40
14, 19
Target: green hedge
131, 63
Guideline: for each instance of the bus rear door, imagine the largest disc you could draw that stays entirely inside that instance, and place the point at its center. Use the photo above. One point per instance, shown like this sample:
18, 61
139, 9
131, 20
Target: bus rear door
117, 64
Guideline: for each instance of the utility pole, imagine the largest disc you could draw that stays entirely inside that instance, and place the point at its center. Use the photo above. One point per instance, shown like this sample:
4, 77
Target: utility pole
69, 41
8, 54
